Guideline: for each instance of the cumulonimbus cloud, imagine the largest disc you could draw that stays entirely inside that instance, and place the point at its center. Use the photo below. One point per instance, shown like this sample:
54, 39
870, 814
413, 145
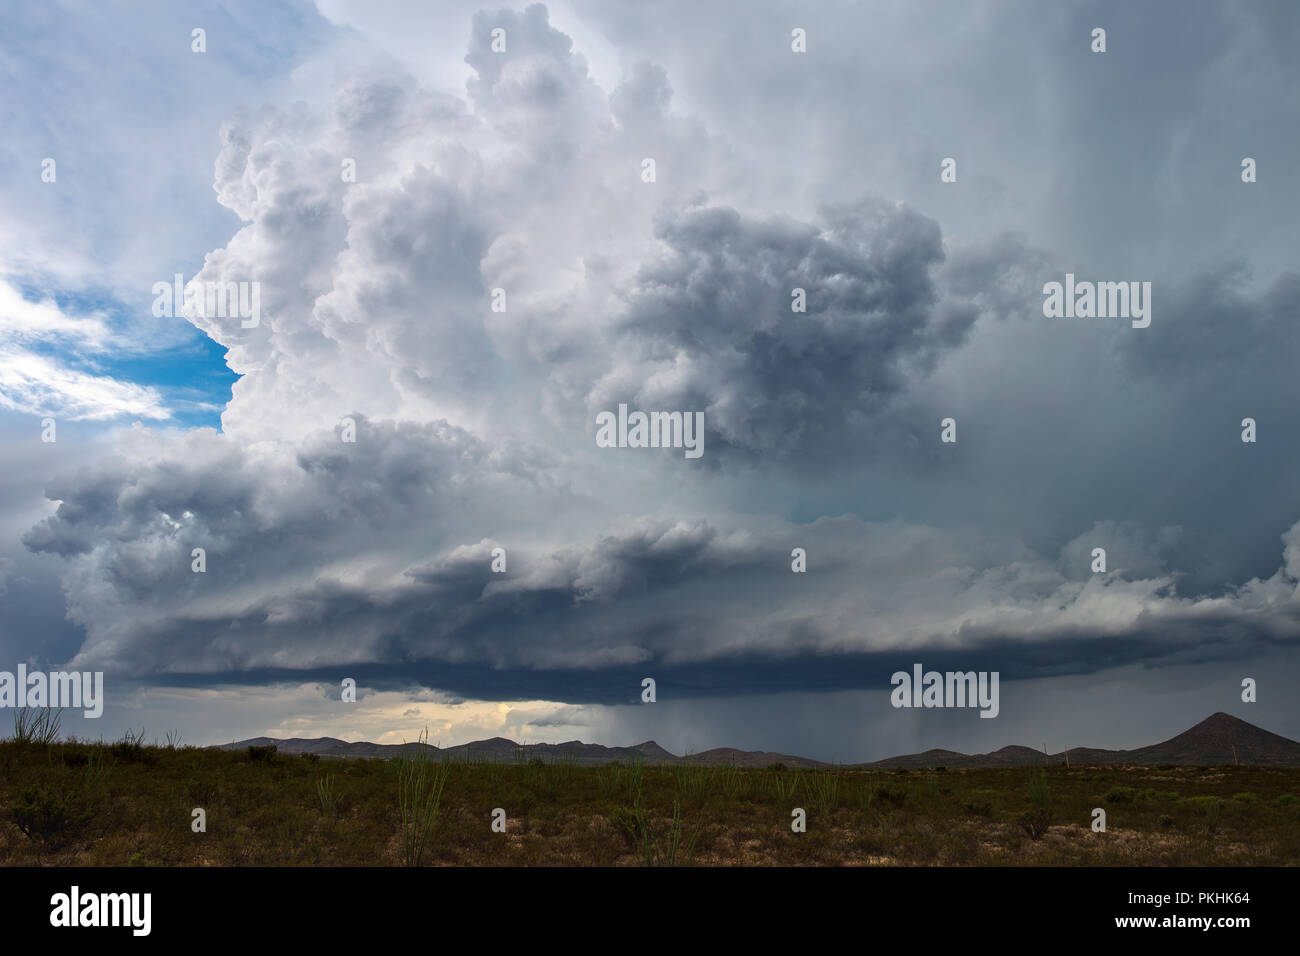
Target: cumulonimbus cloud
474, 426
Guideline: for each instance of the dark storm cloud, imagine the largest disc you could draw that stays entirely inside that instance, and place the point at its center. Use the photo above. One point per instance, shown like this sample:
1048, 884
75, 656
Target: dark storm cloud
1225, 641
1218, 328
322, 567
372, 560
776, 384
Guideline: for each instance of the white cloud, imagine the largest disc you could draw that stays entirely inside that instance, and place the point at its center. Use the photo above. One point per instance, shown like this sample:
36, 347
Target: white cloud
41, 384
37, 385
26, 320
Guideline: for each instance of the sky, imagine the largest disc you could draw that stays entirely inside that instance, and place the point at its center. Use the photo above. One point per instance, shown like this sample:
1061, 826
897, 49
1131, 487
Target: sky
454, 256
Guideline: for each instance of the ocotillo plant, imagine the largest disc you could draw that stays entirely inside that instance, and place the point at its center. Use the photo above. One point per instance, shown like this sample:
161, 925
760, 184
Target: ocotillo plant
420, 780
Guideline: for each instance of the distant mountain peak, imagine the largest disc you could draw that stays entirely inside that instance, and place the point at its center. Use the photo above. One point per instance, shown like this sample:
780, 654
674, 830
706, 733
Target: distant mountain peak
653, 750
1219, 739
1221, 717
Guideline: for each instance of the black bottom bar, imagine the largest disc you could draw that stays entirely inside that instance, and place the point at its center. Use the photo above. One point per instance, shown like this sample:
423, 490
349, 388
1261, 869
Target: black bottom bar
923, 906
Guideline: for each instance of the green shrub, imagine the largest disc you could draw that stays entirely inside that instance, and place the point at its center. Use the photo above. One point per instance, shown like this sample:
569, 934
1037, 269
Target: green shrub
692, 781
131, 747
1210, 807
1035, 822
1133, 795
200, 792
666, 846
1164, 795
784, 786
628, 825
1037, 819
98, 766
824, 791
329, 804
52, 815
732, 782
611, 783
1037, 789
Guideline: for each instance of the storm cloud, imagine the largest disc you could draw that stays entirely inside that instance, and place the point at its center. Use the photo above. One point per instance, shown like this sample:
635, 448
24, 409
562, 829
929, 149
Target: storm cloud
501, 271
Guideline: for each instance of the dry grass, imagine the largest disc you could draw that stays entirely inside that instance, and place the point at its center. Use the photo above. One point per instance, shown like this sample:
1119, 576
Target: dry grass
126, 804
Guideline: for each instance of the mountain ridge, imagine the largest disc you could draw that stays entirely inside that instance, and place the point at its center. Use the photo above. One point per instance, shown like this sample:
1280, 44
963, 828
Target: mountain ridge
1219, 739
